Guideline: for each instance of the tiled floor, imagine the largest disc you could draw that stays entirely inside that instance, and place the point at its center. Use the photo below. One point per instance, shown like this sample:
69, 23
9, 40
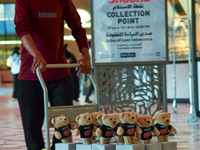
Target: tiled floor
12, 138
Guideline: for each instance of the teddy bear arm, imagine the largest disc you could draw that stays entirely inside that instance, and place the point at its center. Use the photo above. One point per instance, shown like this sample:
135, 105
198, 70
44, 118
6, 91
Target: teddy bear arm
98, 132
76, 132
74, 126
156, 131
173, 130
94, 129
120, 131
138, 130
58, 135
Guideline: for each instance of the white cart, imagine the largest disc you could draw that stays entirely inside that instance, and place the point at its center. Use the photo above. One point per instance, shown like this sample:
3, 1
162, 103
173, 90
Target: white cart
70, 111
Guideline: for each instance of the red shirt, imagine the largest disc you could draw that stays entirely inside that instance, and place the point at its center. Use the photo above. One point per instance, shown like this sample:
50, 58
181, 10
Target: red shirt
44, 21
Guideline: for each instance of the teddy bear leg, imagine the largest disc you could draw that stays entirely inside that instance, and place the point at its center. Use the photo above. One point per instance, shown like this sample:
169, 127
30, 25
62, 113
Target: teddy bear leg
160, 138
127, 140
133, 140
94, 137
70, 139
103, 140
149, 141
87, 140
119, 139
66, 140
166, 138
138, 137
144, 141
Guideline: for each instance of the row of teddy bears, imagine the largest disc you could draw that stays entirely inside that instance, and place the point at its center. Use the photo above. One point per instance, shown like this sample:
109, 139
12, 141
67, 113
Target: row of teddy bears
126, 127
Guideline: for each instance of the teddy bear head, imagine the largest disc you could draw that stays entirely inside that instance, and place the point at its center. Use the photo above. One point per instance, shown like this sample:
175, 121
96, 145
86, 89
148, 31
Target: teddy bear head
127, 117
60, 121
137, 115
118, 119
144, 121
99, 119
163, 118
109, 120
84, 119
94, 117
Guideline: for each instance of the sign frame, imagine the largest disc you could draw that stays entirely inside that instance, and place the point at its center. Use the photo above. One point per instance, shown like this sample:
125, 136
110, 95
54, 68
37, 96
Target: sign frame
93, 40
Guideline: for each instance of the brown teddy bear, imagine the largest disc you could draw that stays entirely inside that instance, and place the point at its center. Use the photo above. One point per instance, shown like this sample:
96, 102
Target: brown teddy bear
128, 127
105, 132
163, 125
94, 118
138, 136
119, 138
86, 128
145, 123
62, 128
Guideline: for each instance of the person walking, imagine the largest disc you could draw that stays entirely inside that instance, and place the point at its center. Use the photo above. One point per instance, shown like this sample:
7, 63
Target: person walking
14, 64
40, 27
76, 83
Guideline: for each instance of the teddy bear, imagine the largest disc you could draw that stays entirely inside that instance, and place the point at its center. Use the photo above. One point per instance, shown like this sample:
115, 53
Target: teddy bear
145, 123
86, 128
105, 131
118, 138
163, 120
94, 118
128, 128
95, 122
138, 136
62, 128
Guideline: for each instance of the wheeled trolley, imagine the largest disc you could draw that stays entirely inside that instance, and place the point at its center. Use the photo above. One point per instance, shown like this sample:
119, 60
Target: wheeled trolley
70, 111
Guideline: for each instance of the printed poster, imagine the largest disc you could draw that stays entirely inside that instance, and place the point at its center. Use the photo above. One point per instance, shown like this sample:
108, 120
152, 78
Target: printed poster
129, 31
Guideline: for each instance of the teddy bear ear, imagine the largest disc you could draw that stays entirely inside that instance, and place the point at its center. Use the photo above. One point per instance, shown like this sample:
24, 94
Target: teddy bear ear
138, 119
104, 117
121, 115
155, 117
151, 117
99, 116
62, 115
77, 118
169, 114
53, 121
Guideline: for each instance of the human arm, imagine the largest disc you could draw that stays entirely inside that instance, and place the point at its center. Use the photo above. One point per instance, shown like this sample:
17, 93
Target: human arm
23, 29
73, 20
38, 60
85, 62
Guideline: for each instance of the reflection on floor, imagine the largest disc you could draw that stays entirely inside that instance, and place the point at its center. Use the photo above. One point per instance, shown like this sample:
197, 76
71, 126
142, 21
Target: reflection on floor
12, 138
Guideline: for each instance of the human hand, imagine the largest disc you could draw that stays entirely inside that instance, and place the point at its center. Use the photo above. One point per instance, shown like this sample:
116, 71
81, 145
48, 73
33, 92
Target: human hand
85, 65
38, 61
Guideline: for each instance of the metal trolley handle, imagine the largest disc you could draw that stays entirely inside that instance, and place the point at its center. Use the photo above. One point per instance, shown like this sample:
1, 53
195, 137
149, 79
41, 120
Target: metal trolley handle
45, 91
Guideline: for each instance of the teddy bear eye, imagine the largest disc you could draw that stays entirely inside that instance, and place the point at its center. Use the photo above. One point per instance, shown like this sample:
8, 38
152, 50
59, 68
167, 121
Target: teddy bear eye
110, 118
84, 117
144, 119
163, 117
129, 115
60, 118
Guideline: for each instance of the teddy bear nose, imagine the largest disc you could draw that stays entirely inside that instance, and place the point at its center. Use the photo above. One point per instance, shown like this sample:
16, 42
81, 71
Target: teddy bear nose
132, 117
114, 122
148, 121
167, 120
88, 118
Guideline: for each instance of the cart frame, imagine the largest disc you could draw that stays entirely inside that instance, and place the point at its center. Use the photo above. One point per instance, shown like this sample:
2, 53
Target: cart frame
70, 111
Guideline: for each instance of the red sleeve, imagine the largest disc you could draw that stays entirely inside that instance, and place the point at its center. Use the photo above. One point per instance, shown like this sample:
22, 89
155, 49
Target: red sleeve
22, 18
73, 20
